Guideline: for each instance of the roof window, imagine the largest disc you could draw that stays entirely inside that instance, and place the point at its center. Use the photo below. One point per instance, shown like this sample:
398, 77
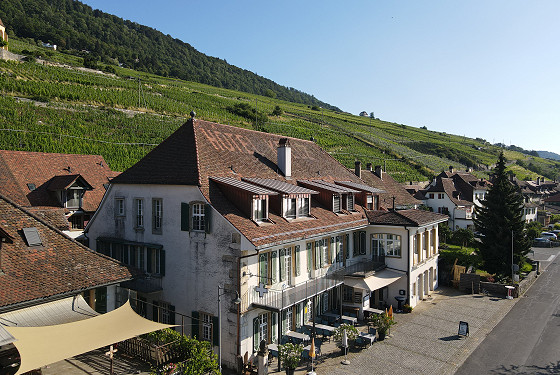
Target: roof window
32, 237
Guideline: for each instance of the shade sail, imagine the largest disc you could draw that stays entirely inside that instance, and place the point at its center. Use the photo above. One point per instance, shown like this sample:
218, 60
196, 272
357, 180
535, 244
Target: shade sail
374, 282
40, 346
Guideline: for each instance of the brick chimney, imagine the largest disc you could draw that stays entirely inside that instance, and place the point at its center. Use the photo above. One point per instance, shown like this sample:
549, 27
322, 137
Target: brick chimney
369, 167
379, 171
285, 157
451, 169
358, 168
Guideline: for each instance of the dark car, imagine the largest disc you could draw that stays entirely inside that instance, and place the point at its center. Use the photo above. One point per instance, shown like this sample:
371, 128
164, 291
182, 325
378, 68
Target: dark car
542, 242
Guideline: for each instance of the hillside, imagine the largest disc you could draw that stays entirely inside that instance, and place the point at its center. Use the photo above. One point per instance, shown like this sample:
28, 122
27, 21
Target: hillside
49, 105
549, 155
101, 38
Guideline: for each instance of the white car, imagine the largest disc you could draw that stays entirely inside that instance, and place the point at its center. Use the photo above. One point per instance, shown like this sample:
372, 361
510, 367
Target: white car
549, 235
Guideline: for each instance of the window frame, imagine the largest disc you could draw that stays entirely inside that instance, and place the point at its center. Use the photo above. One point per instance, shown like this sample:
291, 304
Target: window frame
389, 244
259, 209
139, 213
120, 206
157, 215
198, 216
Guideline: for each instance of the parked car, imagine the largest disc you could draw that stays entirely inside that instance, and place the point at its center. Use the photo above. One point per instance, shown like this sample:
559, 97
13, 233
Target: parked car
549, 235
556, 232
542, 242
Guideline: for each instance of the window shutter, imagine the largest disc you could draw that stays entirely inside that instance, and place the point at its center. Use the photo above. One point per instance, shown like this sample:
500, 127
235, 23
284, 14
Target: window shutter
149, 260
155, 312
162, 262
297, 261
282, 265
195, 324
255, 334
309, 249
185, 217
362, 242
215, 331
207, 218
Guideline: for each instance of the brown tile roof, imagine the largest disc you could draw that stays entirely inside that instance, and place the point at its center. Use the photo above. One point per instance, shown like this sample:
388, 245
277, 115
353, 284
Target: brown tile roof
20, 168
405, 217
447, 185
200, 150
59, 267
392, 189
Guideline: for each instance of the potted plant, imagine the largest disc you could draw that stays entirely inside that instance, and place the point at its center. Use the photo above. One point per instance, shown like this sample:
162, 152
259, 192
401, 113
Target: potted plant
351, 334
407, 308
382, 322
290, 356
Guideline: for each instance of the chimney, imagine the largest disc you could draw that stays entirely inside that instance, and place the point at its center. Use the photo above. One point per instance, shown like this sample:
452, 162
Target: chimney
451, 169
379, 171
538, 180
358, 168
369, 167
285, 157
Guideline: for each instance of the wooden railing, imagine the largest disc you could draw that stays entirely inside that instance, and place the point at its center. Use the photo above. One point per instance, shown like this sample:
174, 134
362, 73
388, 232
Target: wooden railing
148, 352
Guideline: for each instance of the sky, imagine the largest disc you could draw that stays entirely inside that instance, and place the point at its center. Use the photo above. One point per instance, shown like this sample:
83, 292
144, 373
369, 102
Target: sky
478, 68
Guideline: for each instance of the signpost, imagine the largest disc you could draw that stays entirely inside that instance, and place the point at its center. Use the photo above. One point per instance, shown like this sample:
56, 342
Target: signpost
463, 329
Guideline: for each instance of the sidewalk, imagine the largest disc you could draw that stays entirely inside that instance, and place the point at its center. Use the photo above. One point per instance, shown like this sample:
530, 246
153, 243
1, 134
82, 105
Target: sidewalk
423, 342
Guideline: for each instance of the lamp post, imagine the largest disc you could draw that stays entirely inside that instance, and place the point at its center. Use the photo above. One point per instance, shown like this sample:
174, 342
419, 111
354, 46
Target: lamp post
236, 301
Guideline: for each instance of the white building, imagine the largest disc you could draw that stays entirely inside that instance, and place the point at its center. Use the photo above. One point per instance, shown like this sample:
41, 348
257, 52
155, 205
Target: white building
276, 220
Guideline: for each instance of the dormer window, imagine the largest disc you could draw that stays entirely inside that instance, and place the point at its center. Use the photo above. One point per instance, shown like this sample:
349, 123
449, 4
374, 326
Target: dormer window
296, 207
69, 189
74, 197
349, 202
336, 197
336, 203
260, 210
366, 196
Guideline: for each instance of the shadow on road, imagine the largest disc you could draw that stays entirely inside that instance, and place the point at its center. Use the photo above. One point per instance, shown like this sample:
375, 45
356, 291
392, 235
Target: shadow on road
551, 368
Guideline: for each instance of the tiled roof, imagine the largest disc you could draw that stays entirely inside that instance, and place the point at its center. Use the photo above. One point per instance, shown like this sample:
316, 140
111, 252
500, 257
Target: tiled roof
447, 186
391, 189
553, 198
20, 168
199, 150
58, 267
405, 217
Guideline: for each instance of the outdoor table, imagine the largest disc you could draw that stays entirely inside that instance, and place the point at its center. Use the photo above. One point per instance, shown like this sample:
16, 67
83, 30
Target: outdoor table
350, 319
400, 300
299, 336
332, 316
371, 310
273, 349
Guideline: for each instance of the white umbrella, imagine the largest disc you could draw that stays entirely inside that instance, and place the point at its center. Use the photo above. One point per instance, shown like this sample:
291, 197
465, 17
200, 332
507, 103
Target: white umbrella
345, 346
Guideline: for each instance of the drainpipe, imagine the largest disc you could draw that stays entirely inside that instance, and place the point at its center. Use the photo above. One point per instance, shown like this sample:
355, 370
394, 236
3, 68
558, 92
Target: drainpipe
239, 306
408, 266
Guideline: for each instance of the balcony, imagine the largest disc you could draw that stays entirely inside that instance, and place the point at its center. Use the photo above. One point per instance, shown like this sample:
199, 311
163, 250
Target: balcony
277, 300
144, 284
365, 268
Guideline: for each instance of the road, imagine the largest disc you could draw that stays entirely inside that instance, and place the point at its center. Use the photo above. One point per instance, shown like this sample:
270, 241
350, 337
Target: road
527, 340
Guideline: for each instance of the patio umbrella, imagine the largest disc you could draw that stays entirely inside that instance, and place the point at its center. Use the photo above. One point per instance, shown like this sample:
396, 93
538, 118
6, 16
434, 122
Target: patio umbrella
344, 339
312, 349
390, 312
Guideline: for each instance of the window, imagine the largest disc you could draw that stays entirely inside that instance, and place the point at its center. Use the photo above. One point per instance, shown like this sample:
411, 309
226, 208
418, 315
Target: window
357, 297
119, 207
297, 260
206, 320
139, 211
274, 266
290, 208
321, 253
263, 268
431, 196
359, 243
260, 212
336, 203
260, 330
309, 250
440, 195
157, 213
369, 202
198, 217
347, 294
163, 312
74, 197
349, 202
148, 258
386, 244
296, 207
303, 207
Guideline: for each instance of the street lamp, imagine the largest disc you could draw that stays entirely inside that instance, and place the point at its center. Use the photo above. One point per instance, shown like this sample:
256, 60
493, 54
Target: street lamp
236, 301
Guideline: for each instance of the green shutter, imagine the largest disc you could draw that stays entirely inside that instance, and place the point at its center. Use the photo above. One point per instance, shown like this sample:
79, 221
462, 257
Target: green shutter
185, 217
155, 311
309, 249
149, 259
195, 324
207, 218
162, 262
171, 314
297, 260
215, 331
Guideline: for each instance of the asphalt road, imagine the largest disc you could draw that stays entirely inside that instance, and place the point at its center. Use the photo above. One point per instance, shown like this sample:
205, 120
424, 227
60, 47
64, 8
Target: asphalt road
527, 340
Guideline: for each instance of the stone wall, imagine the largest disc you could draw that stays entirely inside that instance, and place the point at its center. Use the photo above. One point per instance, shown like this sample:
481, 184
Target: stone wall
7, 55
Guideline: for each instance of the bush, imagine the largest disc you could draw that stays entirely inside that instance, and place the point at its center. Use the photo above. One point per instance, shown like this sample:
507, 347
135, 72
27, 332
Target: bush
351, 332
407, 308
382, 322
290, 354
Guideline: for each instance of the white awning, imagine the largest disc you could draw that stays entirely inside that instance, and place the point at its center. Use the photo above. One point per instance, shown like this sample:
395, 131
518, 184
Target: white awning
378, 280
40, 346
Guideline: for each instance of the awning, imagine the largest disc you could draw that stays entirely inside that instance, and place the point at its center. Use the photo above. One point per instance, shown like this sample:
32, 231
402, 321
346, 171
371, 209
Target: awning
40, 346
378, 280
66, 310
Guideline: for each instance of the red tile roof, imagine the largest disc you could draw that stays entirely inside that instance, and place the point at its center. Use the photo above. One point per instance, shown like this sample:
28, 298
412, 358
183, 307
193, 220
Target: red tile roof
447, 186
392, 189
200, 150
405, 217
59, 267
44, 170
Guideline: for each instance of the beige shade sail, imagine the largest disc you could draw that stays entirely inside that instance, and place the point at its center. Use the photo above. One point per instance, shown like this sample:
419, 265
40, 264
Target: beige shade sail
374, 282
40, 346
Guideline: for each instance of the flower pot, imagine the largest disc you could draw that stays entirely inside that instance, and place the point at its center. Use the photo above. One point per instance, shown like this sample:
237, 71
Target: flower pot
381, 336
290, 371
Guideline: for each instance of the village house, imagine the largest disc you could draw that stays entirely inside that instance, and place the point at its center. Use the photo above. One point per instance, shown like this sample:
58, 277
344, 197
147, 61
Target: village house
63, 189
217, 212
455, 194
3, 35
47, 278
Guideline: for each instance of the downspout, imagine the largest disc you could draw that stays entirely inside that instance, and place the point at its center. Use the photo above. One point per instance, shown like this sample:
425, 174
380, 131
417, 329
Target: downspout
239, 306
408, 266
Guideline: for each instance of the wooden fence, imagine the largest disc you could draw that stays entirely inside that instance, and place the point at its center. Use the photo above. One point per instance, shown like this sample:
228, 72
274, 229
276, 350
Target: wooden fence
148, 352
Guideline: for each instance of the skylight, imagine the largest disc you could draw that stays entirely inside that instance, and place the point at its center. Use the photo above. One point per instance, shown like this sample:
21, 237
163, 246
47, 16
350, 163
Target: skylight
32, 236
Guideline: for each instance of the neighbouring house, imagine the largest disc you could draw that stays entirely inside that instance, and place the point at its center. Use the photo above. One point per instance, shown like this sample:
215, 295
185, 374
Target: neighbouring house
216, 212
63, 189
455, 194
364, 114
392, 194
3, 35
536, 194
47, 278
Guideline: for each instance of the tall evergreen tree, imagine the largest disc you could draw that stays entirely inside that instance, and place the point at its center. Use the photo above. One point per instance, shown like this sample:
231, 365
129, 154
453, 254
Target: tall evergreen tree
500, 216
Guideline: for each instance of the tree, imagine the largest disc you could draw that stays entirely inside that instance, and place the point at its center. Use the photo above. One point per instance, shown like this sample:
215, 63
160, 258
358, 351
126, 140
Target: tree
277, 111
463, 237
444, 233
500, 221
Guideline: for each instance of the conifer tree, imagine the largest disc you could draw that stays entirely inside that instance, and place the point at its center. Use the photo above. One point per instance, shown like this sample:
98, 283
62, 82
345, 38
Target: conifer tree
500, 216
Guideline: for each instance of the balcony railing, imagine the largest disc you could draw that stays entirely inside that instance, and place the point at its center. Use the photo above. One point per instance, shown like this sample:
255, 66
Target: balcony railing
277, 300
365, 268
144, 284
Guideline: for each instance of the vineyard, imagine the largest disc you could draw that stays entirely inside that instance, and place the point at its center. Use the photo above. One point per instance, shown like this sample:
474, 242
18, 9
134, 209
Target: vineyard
52, 105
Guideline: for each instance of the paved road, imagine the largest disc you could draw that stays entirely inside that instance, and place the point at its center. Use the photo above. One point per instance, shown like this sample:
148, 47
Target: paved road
527, 340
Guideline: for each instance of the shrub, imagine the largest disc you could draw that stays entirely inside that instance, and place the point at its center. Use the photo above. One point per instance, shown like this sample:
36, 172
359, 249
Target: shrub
382, 322
290, 354
351, 332
407, 308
